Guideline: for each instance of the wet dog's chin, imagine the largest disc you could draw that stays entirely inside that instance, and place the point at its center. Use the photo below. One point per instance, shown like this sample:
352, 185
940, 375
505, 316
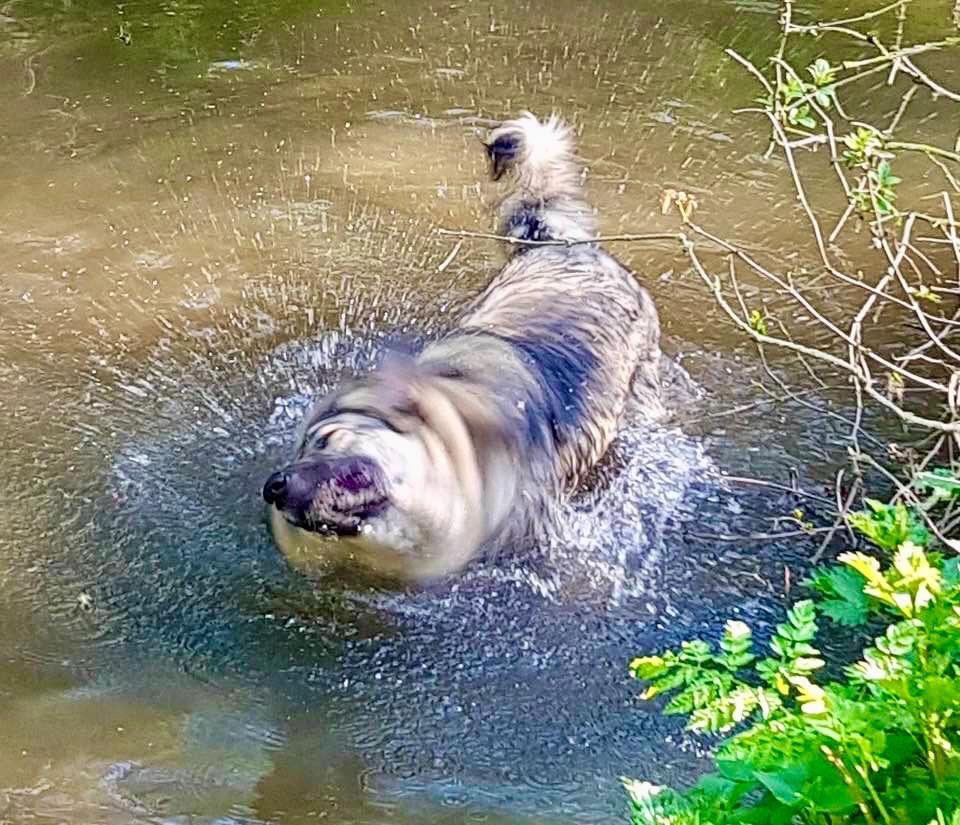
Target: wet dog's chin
379, 546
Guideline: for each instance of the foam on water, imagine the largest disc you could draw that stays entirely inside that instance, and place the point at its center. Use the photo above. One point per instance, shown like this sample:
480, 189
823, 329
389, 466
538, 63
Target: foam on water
187, 521
610, 536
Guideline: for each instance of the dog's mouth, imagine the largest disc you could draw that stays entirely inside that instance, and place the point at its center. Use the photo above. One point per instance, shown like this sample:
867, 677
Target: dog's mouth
330, 521
331, 498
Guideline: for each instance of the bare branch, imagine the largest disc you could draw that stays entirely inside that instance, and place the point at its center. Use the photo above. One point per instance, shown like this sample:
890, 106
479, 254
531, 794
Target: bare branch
490, 236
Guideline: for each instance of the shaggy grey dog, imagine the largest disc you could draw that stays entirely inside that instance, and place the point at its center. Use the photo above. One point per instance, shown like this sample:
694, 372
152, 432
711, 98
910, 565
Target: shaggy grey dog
412, 469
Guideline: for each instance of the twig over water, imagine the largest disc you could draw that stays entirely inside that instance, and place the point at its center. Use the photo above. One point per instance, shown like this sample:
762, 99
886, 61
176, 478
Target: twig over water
508, 239
786, 534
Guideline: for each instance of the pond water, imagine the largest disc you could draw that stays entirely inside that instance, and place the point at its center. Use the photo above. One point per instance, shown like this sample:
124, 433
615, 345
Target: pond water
211, 211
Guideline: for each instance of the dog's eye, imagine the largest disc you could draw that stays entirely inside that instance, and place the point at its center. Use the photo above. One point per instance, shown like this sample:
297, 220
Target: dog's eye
407, 412
315, 441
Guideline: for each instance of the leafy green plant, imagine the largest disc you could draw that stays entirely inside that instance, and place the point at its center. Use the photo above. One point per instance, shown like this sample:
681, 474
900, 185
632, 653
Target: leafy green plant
880, 745
880, 191
758, 322
942, 489
865, 149
824, 77
889, 525
878, 742
942, 481
794, 94
863, 146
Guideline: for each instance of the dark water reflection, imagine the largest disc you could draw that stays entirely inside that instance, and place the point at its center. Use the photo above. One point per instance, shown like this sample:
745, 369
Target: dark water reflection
210, 212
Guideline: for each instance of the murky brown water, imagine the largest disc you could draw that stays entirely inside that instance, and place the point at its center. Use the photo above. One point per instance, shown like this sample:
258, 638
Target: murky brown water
208, 212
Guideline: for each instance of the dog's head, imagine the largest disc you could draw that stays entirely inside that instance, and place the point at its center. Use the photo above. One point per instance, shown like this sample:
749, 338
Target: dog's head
386, 474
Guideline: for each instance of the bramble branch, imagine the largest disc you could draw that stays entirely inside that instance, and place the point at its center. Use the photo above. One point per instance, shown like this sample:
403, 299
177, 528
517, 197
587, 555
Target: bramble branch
914, 375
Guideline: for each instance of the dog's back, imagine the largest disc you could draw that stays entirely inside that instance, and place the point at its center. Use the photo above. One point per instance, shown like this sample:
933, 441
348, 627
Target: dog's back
582, 326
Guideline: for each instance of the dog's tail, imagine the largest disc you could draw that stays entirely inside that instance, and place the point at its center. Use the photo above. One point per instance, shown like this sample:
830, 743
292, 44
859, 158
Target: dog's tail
545, 203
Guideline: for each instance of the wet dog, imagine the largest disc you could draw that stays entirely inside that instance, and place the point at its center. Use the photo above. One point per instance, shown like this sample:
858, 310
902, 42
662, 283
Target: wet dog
412, 469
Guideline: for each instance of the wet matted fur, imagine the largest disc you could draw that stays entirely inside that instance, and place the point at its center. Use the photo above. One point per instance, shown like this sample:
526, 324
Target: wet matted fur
412, 469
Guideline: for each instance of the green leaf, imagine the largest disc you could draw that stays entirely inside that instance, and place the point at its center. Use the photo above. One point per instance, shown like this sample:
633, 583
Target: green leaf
944, 484
845, 613
706, 689
940, 479
715, 785
736, 644
846, 604
793, 89
941, 694
785, 784
757, 322
767, 812
695, 651
649, 667
847, 584
802, 622
900, 748
951, 571
735, 770
822, 72
833, 797
918, 532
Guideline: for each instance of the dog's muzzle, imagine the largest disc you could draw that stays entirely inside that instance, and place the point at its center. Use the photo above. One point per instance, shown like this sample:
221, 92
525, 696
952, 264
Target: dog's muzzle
334, 496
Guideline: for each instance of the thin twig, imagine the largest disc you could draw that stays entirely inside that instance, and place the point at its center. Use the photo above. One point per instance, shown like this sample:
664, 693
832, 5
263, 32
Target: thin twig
805, 303
449, 259
490, 236
951, 230
926, 148
762, 402
924, 78
857, 369
758, 482
842, 509
921, 315
786, 534
886, 55
870, 15
901, 110
946, 172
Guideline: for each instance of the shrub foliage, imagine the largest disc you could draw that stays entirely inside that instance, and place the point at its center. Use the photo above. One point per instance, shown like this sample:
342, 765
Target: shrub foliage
879, 745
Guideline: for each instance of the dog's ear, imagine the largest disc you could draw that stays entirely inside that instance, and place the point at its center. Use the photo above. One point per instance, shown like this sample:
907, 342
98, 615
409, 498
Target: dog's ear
399, 359
502, 151
395, 375
401, 345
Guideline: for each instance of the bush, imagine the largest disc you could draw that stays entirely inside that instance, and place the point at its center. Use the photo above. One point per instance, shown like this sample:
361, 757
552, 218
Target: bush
880, 742
880, 745
875, 350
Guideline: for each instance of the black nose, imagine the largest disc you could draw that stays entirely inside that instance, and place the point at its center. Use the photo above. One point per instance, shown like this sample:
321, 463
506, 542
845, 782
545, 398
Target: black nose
275, 490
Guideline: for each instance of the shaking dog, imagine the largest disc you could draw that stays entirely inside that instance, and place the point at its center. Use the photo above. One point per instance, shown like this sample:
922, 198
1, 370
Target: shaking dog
411, 470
